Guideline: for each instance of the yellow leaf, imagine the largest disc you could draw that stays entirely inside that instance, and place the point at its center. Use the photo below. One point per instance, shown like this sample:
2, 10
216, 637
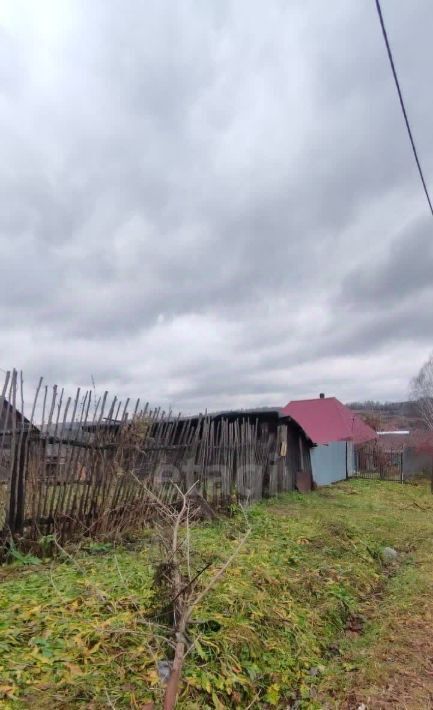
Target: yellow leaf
78, 640
92, 650
74, 670
7, 691
303, 541
40, 658
152, 677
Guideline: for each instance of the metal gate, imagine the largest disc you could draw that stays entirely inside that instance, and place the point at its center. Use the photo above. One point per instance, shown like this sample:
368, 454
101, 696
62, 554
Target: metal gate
372, 462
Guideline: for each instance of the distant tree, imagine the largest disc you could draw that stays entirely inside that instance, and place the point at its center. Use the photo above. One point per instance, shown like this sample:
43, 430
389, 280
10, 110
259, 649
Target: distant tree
373, 419
368, 404
422, 392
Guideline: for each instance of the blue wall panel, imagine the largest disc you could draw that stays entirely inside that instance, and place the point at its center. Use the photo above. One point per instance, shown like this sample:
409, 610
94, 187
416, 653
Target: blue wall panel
329, 462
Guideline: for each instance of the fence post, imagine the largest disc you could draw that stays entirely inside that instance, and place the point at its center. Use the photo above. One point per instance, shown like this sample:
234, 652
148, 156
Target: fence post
17, 486
401, 466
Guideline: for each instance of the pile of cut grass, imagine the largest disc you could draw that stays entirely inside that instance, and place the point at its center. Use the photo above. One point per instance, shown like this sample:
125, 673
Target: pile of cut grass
269, 633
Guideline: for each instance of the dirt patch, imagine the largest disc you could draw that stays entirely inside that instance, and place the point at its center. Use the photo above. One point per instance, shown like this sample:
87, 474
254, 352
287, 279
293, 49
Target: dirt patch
406, 670
355, 624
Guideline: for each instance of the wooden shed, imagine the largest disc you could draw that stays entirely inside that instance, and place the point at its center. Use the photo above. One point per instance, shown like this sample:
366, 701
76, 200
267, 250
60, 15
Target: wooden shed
281, 445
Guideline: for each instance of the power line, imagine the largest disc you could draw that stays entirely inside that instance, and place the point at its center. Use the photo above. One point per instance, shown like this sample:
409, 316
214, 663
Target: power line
400, 96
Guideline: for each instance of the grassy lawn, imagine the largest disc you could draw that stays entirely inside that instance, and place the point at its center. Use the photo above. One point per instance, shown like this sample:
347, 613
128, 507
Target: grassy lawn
308, 613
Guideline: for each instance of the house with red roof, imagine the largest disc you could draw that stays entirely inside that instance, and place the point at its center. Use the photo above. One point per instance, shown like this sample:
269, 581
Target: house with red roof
334, 430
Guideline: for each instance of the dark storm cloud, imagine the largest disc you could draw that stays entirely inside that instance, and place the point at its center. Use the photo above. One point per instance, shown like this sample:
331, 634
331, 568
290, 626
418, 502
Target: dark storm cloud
384, 328
404, 270
205, 201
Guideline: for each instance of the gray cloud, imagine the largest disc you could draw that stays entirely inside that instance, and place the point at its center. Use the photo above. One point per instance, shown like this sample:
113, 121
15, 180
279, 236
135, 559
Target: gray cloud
404, 270
213, 204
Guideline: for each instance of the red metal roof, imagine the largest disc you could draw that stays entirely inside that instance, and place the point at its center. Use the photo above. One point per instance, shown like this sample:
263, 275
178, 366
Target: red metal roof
328, 419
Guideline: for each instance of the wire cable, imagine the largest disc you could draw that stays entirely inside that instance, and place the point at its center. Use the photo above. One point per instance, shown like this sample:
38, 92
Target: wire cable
400, 96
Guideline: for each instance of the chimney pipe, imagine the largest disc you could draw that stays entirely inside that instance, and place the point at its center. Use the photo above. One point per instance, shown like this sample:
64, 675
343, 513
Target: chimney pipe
322, 395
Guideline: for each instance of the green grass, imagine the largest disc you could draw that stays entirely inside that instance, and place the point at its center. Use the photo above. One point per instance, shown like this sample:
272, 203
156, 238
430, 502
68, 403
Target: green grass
274, 630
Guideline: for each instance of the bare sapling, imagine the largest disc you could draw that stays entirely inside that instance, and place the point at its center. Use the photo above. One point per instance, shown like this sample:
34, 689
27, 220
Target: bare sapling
182, 583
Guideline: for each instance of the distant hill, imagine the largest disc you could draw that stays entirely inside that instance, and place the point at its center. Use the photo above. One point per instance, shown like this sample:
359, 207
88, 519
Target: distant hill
389, 416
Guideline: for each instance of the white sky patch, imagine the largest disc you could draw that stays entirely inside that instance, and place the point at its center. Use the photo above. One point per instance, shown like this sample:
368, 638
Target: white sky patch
214, 205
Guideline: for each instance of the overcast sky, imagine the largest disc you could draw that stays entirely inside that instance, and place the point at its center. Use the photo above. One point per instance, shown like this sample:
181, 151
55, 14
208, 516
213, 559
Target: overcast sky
214, 203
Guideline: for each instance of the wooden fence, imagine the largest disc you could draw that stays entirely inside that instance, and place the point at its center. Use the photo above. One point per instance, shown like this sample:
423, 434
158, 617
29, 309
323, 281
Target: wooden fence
85, 465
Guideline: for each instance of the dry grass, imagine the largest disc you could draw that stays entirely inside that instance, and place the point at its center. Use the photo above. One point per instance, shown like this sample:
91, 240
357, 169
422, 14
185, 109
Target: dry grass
390, 663
307, 613
393, 659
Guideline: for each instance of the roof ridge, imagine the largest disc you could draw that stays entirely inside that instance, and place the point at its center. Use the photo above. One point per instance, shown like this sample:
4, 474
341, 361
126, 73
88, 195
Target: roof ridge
315, 399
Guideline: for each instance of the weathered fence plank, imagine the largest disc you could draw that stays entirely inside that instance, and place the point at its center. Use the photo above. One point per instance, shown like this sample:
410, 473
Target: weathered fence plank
95, 464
